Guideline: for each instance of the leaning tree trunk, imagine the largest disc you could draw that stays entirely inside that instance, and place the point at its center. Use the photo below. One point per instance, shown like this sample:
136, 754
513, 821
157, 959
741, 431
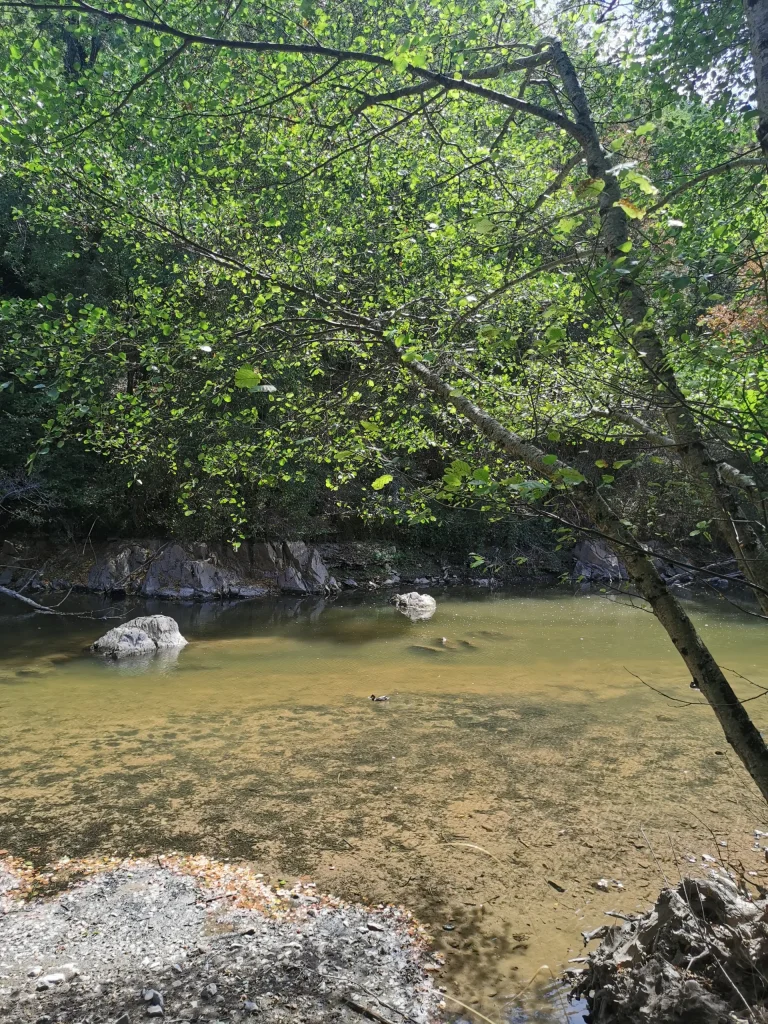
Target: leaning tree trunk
740, 731
743, 539
756, 12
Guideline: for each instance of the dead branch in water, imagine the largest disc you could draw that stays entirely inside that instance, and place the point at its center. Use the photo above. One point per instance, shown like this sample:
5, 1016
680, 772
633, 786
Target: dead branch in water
43, 609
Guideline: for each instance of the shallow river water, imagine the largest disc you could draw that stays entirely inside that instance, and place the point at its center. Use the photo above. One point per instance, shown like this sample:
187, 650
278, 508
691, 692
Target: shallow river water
511, 769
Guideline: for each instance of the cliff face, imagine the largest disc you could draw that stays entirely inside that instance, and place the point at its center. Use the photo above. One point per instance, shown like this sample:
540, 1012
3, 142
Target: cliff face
170, 570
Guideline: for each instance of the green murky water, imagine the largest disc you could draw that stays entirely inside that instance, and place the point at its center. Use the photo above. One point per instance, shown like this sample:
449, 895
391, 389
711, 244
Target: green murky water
520, 753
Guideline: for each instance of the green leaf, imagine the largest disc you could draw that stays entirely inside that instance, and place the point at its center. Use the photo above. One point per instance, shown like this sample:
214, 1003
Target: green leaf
590, 187
382, 481
570, 476
646, 128
554, 333
549, 460
567, 224
632, 211
645, 184
481, 225
247, 377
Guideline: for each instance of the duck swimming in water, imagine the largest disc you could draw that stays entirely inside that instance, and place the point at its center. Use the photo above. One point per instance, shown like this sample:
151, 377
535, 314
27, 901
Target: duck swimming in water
375, 698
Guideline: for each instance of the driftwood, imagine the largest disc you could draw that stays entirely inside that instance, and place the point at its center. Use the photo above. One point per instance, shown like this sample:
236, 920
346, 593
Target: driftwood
701, 955
53, 609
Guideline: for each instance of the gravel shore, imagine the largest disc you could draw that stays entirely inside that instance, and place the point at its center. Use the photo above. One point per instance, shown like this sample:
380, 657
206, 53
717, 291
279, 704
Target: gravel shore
191, 939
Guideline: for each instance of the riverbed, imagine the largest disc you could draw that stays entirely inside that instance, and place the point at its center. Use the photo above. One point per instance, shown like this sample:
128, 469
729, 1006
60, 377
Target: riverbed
525, 776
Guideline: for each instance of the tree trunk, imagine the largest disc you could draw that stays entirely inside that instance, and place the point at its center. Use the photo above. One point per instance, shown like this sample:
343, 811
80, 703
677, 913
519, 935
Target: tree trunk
739, 730
723, 507
756, 12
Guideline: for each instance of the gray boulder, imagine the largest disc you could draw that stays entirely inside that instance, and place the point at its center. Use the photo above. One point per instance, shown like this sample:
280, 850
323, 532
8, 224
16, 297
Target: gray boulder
117, 571
415, 606
596, 561
143, 635
301, 570
175, 573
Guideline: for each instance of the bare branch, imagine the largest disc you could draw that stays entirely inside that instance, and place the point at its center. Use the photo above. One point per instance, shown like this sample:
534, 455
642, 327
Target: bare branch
723, 168
729, 474
133, 89
46, 610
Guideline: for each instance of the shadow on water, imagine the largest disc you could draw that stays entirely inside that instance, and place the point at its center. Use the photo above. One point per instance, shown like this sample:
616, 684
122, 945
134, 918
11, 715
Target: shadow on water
513, 766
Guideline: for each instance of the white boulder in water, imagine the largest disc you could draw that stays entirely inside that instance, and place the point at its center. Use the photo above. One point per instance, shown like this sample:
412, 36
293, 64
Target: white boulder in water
416, 606
143, 635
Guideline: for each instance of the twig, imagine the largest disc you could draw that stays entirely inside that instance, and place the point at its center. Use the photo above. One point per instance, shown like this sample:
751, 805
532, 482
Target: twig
212, 899
471, 1008
662, 872
696, 703
474, 846
365, 1011
394, 1009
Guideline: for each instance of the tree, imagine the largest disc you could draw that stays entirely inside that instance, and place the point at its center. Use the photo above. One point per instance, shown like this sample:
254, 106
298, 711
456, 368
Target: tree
315, 114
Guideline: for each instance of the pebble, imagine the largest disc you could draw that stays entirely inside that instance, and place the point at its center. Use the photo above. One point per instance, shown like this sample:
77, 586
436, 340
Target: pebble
123, 1019
152, 996
155, 1010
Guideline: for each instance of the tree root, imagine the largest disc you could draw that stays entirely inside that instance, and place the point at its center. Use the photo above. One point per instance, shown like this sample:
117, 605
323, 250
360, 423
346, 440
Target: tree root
700, 955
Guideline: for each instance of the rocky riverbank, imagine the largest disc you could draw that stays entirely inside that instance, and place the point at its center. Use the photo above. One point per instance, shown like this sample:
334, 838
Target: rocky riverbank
171, 570
201, 571
191, 939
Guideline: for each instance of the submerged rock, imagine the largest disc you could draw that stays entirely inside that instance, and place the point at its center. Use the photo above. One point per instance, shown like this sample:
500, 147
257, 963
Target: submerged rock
143, 635
415, 606
699, 956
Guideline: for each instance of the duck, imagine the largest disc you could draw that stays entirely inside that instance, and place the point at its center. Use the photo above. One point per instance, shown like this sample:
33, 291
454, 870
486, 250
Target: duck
377, 699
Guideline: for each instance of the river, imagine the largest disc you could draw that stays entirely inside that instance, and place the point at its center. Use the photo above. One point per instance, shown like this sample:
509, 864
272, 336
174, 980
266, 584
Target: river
514, 767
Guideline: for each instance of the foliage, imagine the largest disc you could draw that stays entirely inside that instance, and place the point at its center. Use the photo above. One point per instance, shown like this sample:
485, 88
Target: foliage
236, 255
